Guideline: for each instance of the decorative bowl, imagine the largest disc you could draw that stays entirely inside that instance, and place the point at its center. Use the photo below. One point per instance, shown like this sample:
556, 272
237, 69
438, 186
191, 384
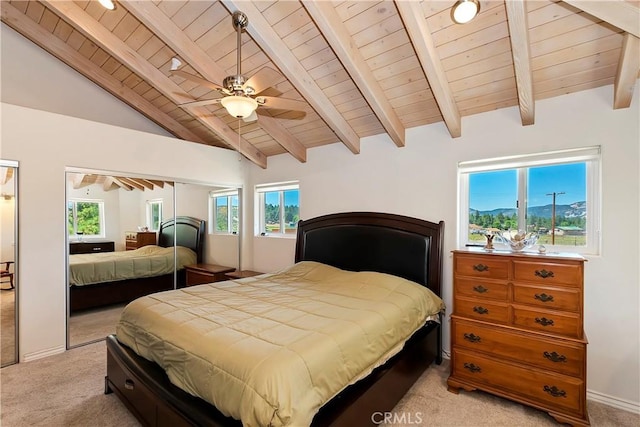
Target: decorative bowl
518, 240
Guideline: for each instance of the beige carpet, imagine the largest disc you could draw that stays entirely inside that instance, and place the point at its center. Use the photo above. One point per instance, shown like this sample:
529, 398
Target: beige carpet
68, 390
7, 326
92, 325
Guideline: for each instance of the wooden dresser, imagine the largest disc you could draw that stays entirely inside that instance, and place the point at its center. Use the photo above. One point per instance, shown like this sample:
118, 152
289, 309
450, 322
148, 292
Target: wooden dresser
138, 239
91, 247
517, 329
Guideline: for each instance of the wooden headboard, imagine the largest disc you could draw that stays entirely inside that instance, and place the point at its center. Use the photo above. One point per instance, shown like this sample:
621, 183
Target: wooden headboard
183, 231
369, 241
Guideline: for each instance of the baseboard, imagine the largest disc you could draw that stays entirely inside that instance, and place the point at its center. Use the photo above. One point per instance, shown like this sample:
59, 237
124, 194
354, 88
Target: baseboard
615, 402
43, 353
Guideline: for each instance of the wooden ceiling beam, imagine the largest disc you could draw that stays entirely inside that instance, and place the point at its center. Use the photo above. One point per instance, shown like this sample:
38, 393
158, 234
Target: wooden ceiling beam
157, 182
627, 73
420, 36
336, 34
519, 35
108, 184
7, 174
98, 34
146, 184
121, 184
56, 47
158, 22
130, 182
619, 13
269, 41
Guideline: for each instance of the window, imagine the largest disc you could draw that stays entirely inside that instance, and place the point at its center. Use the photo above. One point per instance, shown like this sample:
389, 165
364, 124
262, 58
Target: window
279, 209
555, 194
86, 218
154, 214
224, 209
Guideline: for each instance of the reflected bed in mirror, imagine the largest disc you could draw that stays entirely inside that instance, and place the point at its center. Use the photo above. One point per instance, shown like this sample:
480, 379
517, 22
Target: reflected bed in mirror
102, 279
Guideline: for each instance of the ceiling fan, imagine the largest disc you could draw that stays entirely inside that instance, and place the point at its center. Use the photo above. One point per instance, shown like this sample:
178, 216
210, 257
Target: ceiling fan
241, 97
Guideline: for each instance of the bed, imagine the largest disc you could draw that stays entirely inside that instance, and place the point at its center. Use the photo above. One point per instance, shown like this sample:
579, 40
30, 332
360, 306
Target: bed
102, 279
403, 247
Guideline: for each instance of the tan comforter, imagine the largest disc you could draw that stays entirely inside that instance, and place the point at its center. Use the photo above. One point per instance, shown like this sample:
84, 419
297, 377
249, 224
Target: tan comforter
147, 261
272, 349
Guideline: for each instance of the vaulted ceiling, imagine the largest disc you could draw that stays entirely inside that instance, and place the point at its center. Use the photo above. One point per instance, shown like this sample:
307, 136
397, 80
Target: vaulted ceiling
360, 67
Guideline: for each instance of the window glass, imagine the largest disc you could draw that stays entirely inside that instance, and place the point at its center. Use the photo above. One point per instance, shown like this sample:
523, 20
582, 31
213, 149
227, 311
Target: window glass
154, 214
222, 214
557, 204
555, 195
226, 213
86, 218
279, 211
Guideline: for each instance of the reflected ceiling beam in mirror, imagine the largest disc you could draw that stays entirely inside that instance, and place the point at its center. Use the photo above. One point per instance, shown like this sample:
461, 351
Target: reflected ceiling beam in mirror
6, 175
130, 182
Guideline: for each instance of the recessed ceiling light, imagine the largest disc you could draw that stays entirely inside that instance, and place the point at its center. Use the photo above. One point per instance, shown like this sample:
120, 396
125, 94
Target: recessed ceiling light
465, 10
108, 4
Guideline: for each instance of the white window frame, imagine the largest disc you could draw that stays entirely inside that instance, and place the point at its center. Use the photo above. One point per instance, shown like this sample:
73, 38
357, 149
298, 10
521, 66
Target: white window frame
589, 155
150, 204
100, 204
213, 212
260, 191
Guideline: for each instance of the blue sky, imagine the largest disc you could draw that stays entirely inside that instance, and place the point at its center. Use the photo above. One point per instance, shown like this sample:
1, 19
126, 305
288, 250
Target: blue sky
291, 197
492, 190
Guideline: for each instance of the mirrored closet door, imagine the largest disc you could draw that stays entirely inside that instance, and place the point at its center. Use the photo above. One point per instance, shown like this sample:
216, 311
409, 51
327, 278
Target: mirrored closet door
8, 262
113, 223
112, 218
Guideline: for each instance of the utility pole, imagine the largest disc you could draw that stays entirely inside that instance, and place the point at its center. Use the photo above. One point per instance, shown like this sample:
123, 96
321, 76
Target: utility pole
553, 216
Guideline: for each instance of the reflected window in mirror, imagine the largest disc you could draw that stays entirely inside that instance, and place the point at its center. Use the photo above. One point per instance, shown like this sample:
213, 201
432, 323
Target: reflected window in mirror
86, 218
154, 214
224, 212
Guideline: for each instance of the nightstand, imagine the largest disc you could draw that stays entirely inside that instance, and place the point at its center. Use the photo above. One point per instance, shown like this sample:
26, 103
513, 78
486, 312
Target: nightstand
242, 274
138, 239
91, 247
206, 273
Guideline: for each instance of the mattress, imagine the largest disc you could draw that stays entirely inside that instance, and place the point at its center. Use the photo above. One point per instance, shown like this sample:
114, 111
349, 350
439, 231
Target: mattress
272, 349
147, 261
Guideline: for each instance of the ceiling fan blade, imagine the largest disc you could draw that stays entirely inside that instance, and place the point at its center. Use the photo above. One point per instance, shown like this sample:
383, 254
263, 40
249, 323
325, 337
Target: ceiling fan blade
251, 118
263, 79
282, 114
196, 79
201, 103
280, 103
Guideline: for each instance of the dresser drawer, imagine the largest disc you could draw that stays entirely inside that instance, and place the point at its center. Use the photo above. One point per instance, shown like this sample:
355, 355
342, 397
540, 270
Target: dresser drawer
548, 273
479, 288
486, 310
561, 356
568, 299
487, 267
545, 388
552, 322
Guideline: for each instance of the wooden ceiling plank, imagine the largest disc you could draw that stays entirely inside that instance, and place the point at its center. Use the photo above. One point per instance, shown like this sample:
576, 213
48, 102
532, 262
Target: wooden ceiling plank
156, 182
343, 45
519, 32
121, 184
618, 13
262, 32
188, 50
68, 55
117, 48
146, 184
420, 36
627, 72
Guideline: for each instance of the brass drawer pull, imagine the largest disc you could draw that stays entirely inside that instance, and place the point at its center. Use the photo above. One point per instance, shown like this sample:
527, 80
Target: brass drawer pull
480, 310
129, 384
480, 267
480, 289
471, 337
544, 273
544, 297
472, 368
554, 357
544, 321
554, 391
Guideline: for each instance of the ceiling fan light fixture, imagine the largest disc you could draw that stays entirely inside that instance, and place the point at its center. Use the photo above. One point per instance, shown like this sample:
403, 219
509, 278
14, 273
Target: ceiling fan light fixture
108, 4
239, 106
465, 10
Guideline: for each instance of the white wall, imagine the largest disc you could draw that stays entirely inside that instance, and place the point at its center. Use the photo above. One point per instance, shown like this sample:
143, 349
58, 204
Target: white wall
420, 180
45, 144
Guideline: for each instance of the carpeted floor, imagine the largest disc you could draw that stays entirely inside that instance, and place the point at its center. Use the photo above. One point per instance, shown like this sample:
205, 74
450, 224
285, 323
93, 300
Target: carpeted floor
68, 390
92, 325
7, 326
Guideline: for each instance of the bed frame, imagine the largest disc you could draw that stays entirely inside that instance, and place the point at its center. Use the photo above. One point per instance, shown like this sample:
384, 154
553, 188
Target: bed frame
356, 241
183, 230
